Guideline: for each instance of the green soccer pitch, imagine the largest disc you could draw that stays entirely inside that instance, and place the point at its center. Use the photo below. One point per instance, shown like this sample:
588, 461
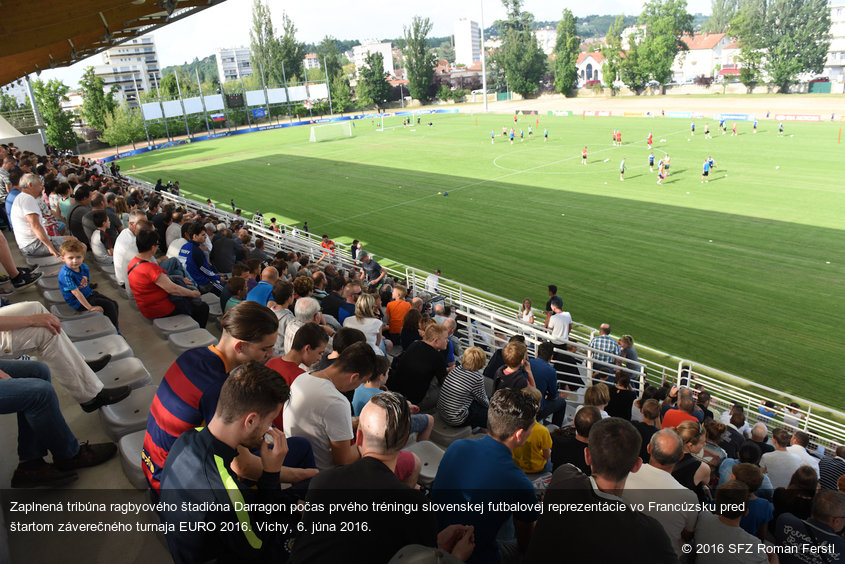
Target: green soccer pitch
744, 273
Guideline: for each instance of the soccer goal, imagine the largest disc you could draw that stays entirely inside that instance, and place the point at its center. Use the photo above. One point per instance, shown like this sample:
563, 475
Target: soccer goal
331, 131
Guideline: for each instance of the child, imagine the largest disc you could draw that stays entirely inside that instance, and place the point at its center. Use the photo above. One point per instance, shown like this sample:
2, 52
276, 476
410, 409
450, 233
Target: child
492, 137
530, 132
667, 160
536, 453
661, 172
622, 170
254, 274
619, 137
780, 129
759, 511
74, 283
707, 131
649, 140
101, 244
545, 135
511, 135
613, 137
521, 135
237, 289
584, 156
705, 173
651, 162
755, 126
692, 129
420, 423
733, 131
516, 372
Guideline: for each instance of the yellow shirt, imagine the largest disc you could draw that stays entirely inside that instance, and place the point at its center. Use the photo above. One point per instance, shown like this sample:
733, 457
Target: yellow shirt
529, 457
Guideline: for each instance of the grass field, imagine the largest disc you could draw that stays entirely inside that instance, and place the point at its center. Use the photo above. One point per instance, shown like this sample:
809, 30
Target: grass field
744, 273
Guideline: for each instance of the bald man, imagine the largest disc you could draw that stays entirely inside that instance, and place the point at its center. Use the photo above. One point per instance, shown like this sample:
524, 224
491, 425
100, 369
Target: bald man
383, 429
263, 291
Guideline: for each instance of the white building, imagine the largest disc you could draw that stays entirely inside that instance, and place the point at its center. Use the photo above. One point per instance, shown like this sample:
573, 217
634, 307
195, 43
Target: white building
360, 52
233, 63
135, 59
835, 65
546, 39
638, 31
589, 67
703, 56
467, 42
311, 61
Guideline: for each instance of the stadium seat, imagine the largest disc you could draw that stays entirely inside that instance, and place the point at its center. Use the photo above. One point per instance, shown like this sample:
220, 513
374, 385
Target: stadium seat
129, 415
115, 345
106, 268
489, 386
64, 311
130, 458
43, 261
125, 372
213, 302
124, 293
51, 283
187, 340
166, 326
50, 271
88, 327
53, 296
430, 455
443, 434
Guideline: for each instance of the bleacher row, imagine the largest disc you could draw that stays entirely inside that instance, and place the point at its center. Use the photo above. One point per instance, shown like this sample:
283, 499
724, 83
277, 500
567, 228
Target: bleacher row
94, 335
488, 320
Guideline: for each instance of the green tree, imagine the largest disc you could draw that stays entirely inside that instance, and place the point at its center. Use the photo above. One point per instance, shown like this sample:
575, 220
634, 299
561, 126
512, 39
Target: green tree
168, 86
666, 21
291, 51
96, 103
49, 96
520, 57
419, 59
9, 103
329, 57
123, 126
721, 15
264, 47
747, 26
633, 68
446, 51
612, 53
373, 88
341, 93
567, 49
796, 37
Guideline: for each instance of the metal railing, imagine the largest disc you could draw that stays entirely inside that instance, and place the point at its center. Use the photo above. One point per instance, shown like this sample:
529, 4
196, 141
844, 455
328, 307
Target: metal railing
488, 320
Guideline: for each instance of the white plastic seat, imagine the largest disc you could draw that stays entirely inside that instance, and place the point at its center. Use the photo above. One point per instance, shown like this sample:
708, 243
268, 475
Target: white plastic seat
64, 311
88, 327
444, 434
130, 447
50, 283
430, 455
50, 271
125, 372
107, 268
213, 301
129, 415
43, 261
115, 345
54, 296
165, 326
187, 340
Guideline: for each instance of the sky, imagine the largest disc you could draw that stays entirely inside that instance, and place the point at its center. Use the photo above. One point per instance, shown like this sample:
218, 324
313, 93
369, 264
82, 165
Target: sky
228, 24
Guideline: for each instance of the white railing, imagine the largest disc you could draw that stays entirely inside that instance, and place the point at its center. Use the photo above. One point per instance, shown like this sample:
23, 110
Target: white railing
488, 319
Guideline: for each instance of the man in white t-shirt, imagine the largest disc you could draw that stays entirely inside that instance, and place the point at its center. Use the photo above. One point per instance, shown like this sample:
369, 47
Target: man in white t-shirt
560, 322
318, 410
30, 235
798, 446
125, 248
654, 482
781, 464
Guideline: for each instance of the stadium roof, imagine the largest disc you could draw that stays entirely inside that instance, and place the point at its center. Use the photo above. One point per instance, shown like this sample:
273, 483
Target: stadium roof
42, 34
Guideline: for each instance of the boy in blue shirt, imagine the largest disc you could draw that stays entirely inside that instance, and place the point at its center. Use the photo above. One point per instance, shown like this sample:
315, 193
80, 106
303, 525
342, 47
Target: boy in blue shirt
74, 283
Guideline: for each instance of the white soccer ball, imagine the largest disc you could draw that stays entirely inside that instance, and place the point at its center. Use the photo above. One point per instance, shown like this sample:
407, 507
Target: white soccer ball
687, 192
777, 167
711, 240
605, 160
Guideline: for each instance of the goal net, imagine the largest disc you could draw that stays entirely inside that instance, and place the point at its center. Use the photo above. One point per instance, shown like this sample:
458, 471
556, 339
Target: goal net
331, 131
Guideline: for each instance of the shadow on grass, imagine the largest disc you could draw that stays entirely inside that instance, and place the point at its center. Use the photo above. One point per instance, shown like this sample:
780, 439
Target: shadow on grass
715, 287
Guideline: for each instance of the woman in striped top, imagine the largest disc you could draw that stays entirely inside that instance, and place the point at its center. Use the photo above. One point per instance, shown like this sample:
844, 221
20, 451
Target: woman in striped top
463, 400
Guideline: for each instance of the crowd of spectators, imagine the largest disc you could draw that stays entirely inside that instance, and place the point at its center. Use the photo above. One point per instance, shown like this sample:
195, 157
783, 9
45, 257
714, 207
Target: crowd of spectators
321, 375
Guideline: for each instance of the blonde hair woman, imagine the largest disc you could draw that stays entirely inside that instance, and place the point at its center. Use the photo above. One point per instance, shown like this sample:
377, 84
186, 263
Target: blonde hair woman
525, 314
365, 320
690, 471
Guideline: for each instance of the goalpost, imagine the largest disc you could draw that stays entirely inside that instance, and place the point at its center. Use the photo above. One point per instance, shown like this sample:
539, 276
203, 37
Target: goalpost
331, 131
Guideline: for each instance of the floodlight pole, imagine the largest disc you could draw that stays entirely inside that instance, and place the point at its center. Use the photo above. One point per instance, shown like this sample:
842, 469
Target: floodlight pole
483, 60
328, 86
202, 99
182, 103
160, 103
266, 97
143, 117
